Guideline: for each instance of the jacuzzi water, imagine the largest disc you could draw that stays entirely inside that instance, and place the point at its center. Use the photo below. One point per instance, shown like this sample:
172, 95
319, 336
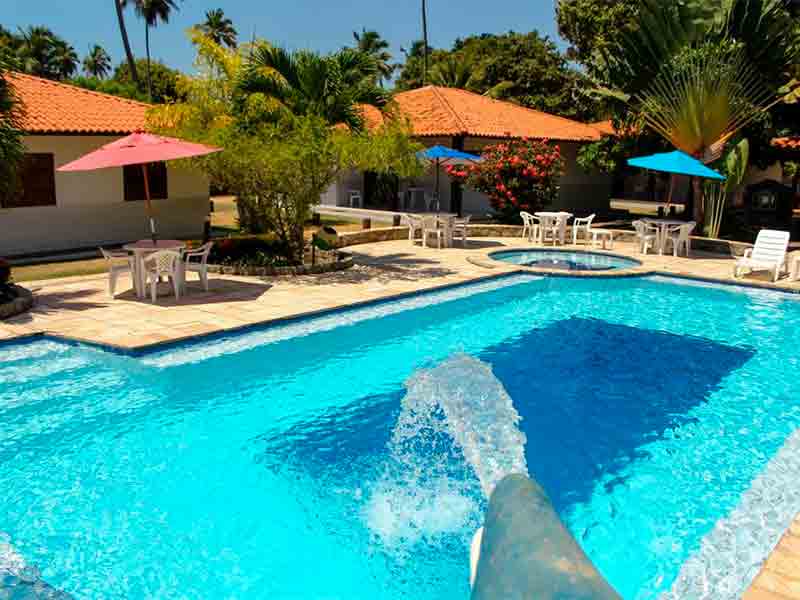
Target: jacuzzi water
317, 459
565, 260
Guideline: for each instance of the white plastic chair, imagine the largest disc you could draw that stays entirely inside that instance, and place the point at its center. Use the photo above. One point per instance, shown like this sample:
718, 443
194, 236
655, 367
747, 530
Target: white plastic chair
531, 228
795, 274
415, 224
460, 229
647, 235
196, 261
768, 254
164, 263
430, 227
584, 227
354, 198
116, 267
550, 229
680, 238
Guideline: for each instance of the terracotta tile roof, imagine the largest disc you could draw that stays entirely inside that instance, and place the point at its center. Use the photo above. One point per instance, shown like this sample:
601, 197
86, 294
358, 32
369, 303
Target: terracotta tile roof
440, 111
787, 143
52, 107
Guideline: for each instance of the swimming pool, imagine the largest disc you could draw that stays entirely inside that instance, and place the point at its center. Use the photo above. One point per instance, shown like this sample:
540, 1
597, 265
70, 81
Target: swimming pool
315, 459
566, 260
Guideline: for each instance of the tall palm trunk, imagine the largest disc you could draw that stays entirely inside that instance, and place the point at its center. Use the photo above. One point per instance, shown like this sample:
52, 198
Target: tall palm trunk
424, 44
126, 43
147, 49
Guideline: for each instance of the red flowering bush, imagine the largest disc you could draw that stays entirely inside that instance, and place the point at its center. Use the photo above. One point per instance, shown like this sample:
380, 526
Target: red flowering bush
516, 175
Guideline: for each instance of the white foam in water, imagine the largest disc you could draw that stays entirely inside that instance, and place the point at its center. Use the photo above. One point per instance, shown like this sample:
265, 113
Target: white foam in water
456, 437
11, 561
246, 341
732, 554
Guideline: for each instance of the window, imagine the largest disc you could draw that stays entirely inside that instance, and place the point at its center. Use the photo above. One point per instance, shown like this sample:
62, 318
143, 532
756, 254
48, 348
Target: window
37, 183
134, 181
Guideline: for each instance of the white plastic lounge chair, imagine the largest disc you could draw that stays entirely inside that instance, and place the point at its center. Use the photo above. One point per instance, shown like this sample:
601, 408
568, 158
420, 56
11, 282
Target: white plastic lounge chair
460, 227
680, 238
647, 235
118, 263
196, 261
584, 227
530, 227
164, 263
768, 254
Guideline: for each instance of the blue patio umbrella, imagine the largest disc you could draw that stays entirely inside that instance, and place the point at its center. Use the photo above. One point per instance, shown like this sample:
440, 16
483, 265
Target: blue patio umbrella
441, 155
677, 163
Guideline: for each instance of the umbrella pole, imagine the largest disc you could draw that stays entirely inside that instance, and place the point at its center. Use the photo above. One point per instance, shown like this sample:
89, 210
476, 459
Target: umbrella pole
437, 185
148, 203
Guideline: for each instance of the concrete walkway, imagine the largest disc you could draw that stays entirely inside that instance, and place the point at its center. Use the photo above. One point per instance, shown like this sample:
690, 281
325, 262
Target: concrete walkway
79, 308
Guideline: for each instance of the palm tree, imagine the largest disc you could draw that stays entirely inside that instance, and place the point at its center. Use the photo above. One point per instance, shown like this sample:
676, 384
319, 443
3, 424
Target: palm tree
153, 12
120, 4
306, 83
11, 147
219, 28
697, 78
64, 59
97, 63
372, 44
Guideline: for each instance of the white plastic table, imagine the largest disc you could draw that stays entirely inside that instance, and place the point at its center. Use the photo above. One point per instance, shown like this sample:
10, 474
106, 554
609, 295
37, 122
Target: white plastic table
663, 225
141, 250
559, 219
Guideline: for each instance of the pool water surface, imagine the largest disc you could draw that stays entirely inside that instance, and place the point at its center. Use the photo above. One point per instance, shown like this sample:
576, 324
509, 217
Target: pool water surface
566, 260
289, 462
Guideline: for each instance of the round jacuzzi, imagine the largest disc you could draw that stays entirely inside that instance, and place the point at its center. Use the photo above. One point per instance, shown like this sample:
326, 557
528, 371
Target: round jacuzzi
566, 260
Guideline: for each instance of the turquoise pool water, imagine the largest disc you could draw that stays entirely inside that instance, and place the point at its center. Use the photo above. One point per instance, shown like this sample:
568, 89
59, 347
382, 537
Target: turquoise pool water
289, 463
565, 260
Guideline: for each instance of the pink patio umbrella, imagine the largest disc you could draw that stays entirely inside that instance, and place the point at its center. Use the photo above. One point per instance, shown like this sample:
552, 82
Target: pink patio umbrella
139, 149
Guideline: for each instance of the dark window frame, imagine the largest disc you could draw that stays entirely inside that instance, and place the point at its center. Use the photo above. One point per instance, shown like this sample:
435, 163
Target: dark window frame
133, 182
36, 182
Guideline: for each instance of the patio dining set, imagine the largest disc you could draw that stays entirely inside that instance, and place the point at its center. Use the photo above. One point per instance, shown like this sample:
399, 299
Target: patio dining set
551, 227
148, 262
444, 228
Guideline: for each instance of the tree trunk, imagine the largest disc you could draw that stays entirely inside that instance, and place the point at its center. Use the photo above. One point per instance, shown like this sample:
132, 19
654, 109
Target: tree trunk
424, 44
147, 49
698, 212
126, 43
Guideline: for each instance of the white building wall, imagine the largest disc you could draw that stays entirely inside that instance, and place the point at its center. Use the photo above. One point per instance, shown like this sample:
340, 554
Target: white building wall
90, 207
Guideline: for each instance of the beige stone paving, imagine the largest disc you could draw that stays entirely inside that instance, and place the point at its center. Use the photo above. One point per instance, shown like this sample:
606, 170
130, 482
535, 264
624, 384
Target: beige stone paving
79, 308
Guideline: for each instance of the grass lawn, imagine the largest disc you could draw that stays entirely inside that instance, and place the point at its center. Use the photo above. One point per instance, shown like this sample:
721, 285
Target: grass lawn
223, 223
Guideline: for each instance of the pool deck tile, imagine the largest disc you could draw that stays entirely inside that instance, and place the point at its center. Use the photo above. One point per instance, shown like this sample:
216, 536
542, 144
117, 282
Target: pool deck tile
780, 577
78, 308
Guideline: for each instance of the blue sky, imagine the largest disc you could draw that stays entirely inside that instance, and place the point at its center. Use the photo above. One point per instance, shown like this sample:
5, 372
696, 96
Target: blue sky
322, 25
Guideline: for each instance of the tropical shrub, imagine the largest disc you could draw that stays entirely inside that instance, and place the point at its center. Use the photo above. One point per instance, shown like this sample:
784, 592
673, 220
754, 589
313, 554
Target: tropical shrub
7, 291
249, 250
518, 175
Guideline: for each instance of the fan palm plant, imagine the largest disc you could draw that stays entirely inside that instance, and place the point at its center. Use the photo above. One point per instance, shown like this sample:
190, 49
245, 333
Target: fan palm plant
277, 82
152, 12
694, 71
219, 28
